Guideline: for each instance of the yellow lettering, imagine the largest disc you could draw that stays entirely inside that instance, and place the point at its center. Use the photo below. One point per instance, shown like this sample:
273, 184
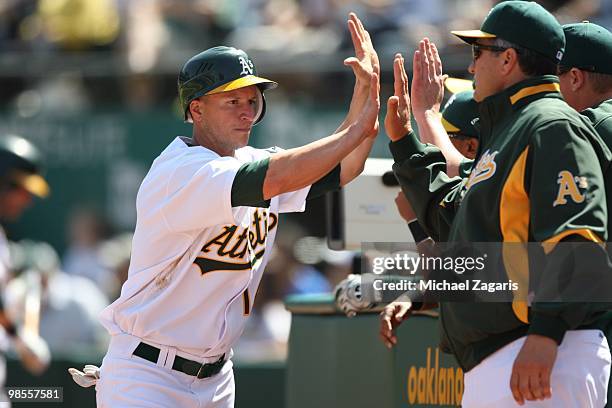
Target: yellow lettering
412, 385
443, 399
568, 187
450, 386
421, 380
458, 386
434, 385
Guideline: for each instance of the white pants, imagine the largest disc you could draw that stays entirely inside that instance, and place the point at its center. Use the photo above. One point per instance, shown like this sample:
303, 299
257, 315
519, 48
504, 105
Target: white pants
130, 381
579, 377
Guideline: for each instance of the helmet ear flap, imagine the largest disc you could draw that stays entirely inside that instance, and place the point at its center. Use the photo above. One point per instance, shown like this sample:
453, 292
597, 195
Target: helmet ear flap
261, 103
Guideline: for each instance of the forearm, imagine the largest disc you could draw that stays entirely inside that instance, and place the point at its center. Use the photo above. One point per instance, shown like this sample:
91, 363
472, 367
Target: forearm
311, 161
358, 100
431, 131
353, 164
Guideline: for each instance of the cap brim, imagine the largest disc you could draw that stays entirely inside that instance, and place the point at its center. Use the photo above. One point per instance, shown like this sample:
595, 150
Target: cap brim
449, 127
34, 184
456, 85
470, 36
243, 82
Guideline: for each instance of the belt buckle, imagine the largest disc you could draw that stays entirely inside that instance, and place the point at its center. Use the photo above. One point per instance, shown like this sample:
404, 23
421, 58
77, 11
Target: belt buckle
200, 373
209, 369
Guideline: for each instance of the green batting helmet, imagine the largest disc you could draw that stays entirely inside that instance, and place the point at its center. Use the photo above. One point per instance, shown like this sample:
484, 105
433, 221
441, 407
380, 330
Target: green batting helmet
219, 69
459, 114
21, 165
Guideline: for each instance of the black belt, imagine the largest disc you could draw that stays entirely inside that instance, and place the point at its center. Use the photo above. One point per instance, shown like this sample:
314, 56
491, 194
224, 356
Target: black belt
189, 367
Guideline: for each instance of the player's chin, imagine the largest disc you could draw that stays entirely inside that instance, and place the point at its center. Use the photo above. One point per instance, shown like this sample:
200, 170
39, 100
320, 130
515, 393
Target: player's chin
243, 134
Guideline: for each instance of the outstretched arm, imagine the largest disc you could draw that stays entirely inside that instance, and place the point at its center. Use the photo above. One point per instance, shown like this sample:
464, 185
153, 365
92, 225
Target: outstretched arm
427, 93
364, 64
297, 168
419, 168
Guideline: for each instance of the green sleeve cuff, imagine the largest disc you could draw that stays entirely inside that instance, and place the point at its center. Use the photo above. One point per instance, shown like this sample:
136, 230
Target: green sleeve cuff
405, 147
549, 326
465, 167
329, 182
247, 188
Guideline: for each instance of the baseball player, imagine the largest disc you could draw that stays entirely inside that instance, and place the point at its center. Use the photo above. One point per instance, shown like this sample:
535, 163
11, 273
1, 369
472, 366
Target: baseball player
585, 77
586, 84
458, 118
511, 353
208, 212
20, 180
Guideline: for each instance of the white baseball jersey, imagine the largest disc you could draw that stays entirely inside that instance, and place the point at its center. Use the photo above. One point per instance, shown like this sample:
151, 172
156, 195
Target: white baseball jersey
5, 258
196, 261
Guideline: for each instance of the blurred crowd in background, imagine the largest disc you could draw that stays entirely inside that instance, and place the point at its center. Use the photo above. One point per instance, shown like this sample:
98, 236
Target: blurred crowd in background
71, 56
73, 49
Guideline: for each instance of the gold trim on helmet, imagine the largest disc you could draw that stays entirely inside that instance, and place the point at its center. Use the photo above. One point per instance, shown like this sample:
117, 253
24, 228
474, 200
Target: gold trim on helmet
456, 85
33, 183
243, 82
449, 127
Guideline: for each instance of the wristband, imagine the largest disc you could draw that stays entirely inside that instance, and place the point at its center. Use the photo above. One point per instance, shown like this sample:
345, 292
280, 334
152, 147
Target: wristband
417, 231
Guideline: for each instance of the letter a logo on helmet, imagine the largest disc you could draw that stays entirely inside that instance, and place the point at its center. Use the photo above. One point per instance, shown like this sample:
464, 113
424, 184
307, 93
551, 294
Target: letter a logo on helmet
247, 66
216, 70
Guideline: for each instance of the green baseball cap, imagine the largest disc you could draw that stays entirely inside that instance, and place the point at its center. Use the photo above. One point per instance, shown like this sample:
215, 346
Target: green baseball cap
459, 114
589, 47
523, 23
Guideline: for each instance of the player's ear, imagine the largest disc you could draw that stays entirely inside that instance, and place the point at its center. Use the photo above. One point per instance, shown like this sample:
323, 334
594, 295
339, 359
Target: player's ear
577, 79
195, 109
509, 59
472, 145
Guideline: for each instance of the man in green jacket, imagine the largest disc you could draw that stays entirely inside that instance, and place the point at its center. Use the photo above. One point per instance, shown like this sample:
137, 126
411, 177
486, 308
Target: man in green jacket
537, 178
585, 76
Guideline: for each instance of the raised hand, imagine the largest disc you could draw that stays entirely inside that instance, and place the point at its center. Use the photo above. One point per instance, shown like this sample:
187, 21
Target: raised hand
428, 80
369, 117
365, 62
397, 120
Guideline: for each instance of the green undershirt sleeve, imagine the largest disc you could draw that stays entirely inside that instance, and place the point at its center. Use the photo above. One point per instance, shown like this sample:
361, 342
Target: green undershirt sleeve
329, 182
247, 188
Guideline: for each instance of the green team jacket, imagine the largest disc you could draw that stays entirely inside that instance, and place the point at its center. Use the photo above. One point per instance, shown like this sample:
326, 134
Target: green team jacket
538, 178
601, 119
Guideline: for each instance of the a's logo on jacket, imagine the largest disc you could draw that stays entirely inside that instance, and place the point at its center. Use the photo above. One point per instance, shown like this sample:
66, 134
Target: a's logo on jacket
570, 186
484, 169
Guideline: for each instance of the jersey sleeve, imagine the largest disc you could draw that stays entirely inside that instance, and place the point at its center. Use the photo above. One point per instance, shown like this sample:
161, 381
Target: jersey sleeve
565, 185
421, 171
294, 201
567, 204
201, 198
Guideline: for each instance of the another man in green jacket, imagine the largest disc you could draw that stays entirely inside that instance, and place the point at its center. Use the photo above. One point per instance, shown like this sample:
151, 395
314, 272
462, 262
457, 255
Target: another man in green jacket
537, 178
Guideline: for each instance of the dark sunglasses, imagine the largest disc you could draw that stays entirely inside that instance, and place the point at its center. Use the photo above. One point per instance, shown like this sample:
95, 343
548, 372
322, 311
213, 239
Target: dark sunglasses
459, 136
564, 69
477, 49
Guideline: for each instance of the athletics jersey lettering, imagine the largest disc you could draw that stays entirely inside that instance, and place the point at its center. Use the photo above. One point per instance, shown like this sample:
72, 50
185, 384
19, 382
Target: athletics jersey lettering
569, 186
228, 249
484, 169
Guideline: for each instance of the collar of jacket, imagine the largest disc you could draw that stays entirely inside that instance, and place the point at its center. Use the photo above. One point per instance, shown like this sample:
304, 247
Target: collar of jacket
496, 108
